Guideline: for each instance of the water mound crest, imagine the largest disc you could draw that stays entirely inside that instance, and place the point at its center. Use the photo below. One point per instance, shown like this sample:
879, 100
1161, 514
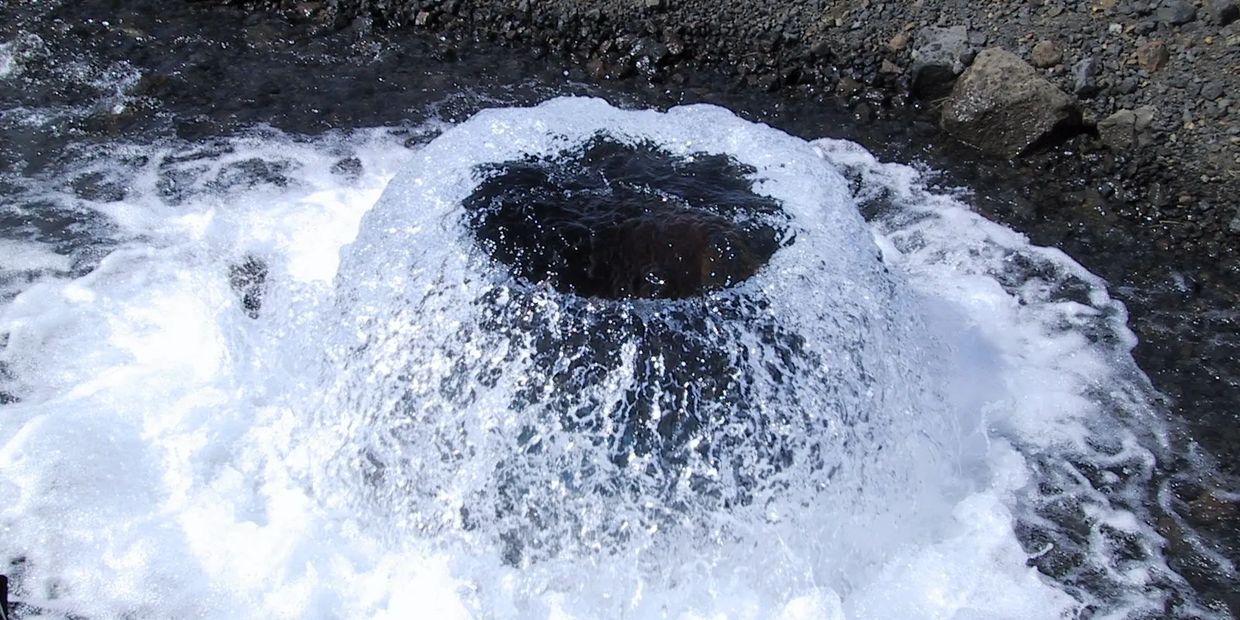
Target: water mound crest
585, 342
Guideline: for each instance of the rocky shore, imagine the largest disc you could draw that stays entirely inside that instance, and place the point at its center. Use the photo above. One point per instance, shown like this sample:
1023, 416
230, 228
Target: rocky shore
1140, 96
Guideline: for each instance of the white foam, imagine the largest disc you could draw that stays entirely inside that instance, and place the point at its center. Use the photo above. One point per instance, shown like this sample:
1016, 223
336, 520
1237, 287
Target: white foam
869, 404
1070, 382
8, 65
31, 256
16, 53
172, 457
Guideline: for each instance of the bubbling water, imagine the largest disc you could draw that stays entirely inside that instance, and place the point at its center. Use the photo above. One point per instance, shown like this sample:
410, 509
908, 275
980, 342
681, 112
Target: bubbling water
488, 396
262, 390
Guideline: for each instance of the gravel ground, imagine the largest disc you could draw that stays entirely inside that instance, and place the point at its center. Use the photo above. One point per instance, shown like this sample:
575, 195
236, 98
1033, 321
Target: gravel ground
1176, 183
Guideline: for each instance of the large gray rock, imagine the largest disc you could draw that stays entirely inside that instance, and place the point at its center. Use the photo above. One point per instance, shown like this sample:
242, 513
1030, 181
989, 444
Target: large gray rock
1004, 107
1127, 128
1177, 12
1225, 11
940, 54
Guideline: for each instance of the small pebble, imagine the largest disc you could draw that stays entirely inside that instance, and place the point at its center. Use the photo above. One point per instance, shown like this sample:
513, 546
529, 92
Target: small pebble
1046, 54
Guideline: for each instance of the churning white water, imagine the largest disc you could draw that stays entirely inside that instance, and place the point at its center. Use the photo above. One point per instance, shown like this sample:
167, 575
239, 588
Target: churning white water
404, 429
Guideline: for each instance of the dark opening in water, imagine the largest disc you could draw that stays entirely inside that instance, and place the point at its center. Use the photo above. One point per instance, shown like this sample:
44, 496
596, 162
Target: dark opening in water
616, 221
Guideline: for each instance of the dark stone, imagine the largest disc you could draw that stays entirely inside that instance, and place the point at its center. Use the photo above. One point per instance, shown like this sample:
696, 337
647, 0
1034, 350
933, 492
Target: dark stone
248, 280
864, 112
848, 87
649, 55
349, 167
1212, 91
596, 68
939, 56
1225, 11
1002, 106
1085, 77
1213, 508
251, 172
96, 187
1046, 54
1177, 12
1153, 56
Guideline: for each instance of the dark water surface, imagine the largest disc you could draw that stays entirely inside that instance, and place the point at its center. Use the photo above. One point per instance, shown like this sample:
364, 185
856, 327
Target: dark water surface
189, 73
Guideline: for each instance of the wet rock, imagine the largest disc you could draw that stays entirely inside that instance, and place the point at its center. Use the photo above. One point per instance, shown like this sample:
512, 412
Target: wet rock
1176, 12
864, 112
1127, 128
1085, 77
649, 55
4, 596
1153, 56
1046, 54
1002, 106
1225, 11
308, 9
252, 172
941, 54
1213, 507
248, 280
349, 167
97, 187
848, 87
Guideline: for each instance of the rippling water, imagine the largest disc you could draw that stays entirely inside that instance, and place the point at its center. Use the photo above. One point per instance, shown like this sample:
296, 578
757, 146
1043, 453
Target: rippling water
267, 372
